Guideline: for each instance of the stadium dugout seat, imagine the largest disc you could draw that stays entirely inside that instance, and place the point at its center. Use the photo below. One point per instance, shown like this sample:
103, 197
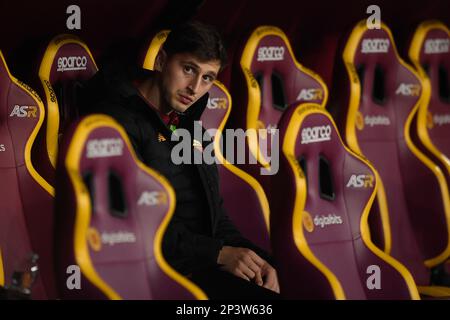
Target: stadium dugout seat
376, 99
66, 63
26, 199
429, 51
320, 231
266, 78
112, 212
244, 199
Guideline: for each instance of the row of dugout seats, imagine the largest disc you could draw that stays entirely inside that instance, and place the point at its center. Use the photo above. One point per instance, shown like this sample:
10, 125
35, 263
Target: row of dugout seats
365, 216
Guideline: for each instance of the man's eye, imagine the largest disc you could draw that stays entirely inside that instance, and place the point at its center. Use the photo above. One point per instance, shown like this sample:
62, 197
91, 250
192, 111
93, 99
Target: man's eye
188, 69
208, 78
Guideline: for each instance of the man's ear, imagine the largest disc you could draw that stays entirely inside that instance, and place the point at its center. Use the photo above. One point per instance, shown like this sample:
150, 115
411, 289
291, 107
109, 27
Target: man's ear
160, 61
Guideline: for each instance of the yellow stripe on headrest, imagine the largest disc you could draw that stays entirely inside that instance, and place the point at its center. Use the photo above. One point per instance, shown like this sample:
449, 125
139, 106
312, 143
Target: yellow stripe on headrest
52, 103
153, 49
414, 54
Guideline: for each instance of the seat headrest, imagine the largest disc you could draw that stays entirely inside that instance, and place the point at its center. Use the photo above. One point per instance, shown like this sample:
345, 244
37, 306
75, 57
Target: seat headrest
67, 58
122, 211
431, 45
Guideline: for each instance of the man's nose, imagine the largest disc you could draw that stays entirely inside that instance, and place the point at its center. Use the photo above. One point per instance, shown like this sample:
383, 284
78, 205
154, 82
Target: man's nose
194, 85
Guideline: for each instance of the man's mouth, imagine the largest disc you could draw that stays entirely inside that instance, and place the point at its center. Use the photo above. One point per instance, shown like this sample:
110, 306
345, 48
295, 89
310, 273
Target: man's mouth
184, 99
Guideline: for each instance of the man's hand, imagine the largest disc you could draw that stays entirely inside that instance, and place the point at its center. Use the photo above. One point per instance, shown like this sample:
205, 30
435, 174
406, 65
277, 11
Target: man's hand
270, 278
246, 264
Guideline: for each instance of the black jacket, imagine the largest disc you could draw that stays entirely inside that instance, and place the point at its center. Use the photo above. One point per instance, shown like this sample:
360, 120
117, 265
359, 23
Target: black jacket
186, 248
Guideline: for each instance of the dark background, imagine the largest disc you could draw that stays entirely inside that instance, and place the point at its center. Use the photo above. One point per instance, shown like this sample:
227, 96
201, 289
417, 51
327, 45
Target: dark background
123, 28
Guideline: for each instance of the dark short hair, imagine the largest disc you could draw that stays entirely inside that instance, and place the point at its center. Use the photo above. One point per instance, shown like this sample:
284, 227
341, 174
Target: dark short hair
201, 40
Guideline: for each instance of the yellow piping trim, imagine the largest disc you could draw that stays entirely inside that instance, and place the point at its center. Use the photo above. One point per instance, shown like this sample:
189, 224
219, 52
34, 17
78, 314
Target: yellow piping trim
310, 108
153, 49
83, 213
149, 62
300, 198
36, 176
350, 134
254, 97
435, 291
52, 106
414, 54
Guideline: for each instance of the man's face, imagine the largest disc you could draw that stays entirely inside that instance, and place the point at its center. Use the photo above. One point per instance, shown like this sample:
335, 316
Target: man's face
185, 79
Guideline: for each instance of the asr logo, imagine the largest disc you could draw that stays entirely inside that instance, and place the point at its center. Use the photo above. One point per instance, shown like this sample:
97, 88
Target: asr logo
24, 111
217, 103
152, 198
264, 131
360, 181
310, 94
94, 240
308, 223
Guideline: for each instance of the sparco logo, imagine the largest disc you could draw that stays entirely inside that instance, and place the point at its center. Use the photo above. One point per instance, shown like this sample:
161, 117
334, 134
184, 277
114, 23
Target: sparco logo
118, 237
310, 94
2, 148
375, 45
377, 121
324, 221
316, 134
72, 63
437, 45
408, 89
270, 54
104, 148
441, 119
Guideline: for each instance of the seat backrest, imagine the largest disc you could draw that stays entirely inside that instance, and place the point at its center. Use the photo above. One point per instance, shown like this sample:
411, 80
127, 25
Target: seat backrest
319, 232
266, 79
112, 214
26, 215
384, 94
66, 64
430, 53
240, 191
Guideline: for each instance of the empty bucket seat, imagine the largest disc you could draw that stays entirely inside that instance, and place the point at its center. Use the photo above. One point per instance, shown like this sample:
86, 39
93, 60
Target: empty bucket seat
66, 63
320, 231
265, 80
377, 101
112, 212
26, 199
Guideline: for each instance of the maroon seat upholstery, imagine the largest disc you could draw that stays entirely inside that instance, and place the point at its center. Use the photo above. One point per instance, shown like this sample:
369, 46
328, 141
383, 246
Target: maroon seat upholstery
377, 102
244, 199
112, 212
65, 64
265, 80
319, 232
26, 199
